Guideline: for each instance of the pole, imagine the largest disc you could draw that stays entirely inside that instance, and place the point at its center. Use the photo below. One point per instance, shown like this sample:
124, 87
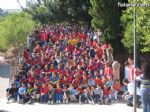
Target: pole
135, 66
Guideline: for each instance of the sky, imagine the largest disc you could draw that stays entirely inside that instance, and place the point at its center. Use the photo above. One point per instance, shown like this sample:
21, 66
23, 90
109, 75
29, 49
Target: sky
11, 4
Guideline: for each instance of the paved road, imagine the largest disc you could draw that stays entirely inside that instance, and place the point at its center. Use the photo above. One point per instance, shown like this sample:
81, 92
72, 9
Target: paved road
14, 107
4, 79
4, 82
4, 71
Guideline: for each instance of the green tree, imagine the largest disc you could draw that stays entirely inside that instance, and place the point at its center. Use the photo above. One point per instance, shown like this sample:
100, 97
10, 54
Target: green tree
106, 17
142, 26
45, 11
14, 29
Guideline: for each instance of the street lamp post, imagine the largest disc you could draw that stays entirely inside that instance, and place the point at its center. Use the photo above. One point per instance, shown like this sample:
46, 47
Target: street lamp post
135, 62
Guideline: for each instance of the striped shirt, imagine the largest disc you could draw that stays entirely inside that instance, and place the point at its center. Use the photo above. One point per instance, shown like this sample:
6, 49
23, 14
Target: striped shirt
145, 82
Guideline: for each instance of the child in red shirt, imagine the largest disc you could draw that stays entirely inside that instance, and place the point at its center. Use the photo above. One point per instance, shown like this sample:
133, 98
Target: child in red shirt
116, 85
107, 71
75, 81
80, 93
37, 48
43, 37
106, 98
38, 70
58, 93
44, 93
98, 81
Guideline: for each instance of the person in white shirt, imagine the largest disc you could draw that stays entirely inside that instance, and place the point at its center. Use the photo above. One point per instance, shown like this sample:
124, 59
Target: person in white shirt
128, 95
126, 69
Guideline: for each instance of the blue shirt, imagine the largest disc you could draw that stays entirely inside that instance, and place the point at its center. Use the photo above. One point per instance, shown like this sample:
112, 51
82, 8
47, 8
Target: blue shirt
91, 82
109, 83
73, 91
98, 91
22, 90
54, 79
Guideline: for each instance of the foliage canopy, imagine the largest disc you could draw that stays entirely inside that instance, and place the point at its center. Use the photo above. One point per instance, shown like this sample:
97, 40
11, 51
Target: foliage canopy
46, 11
142, 27
14, 29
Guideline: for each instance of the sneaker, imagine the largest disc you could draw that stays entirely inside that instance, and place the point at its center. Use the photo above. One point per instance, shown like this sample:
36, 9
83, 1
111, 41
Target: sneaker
29, 102
52, 102
59, 102
117, 101
66, 101
14, 101
90, 102
106, 101
80, 102
129, 104
93, 102
49, 102
98, 102
20, 102
112, 101
102, 102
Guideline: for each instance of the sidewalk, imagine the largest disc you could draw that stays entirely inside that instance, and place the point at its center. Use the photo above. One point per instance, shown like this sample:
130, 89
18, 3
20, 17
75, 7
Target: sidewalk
4, 82
15, 107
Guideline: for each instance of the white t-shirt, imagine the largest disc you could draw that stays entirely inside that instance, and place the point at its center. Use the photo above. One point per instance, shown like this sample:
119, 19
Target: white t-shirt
126, 72
130, 89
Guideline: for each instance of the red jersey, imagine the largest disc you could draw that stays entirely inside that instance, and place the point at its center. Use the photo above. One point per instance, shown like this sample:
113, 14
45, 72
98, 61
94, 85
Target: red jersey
46, 78
51, 70
108, 71
34, 62
31, 79
69, 80
131, 73
105, 92
90, 67
54, 39
61, 81
43, 37
99, 53
71, 47
58, 90
117, 87
75, 81
104, 47
37, 50
44, 90
37, 71
80, 90
98, 81
26, 55
95, 67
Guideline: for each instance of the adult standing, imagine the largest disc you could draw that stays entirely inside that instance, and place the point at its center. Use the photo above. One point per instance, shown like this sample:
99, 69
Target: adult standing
126, 70
145, 86
116, 70
109, 52
131, 69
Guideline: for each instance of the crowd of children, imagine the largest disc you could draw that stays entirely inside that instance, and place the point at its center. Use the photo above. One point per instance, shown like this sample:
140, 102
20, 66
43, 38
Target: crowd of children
64, 64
